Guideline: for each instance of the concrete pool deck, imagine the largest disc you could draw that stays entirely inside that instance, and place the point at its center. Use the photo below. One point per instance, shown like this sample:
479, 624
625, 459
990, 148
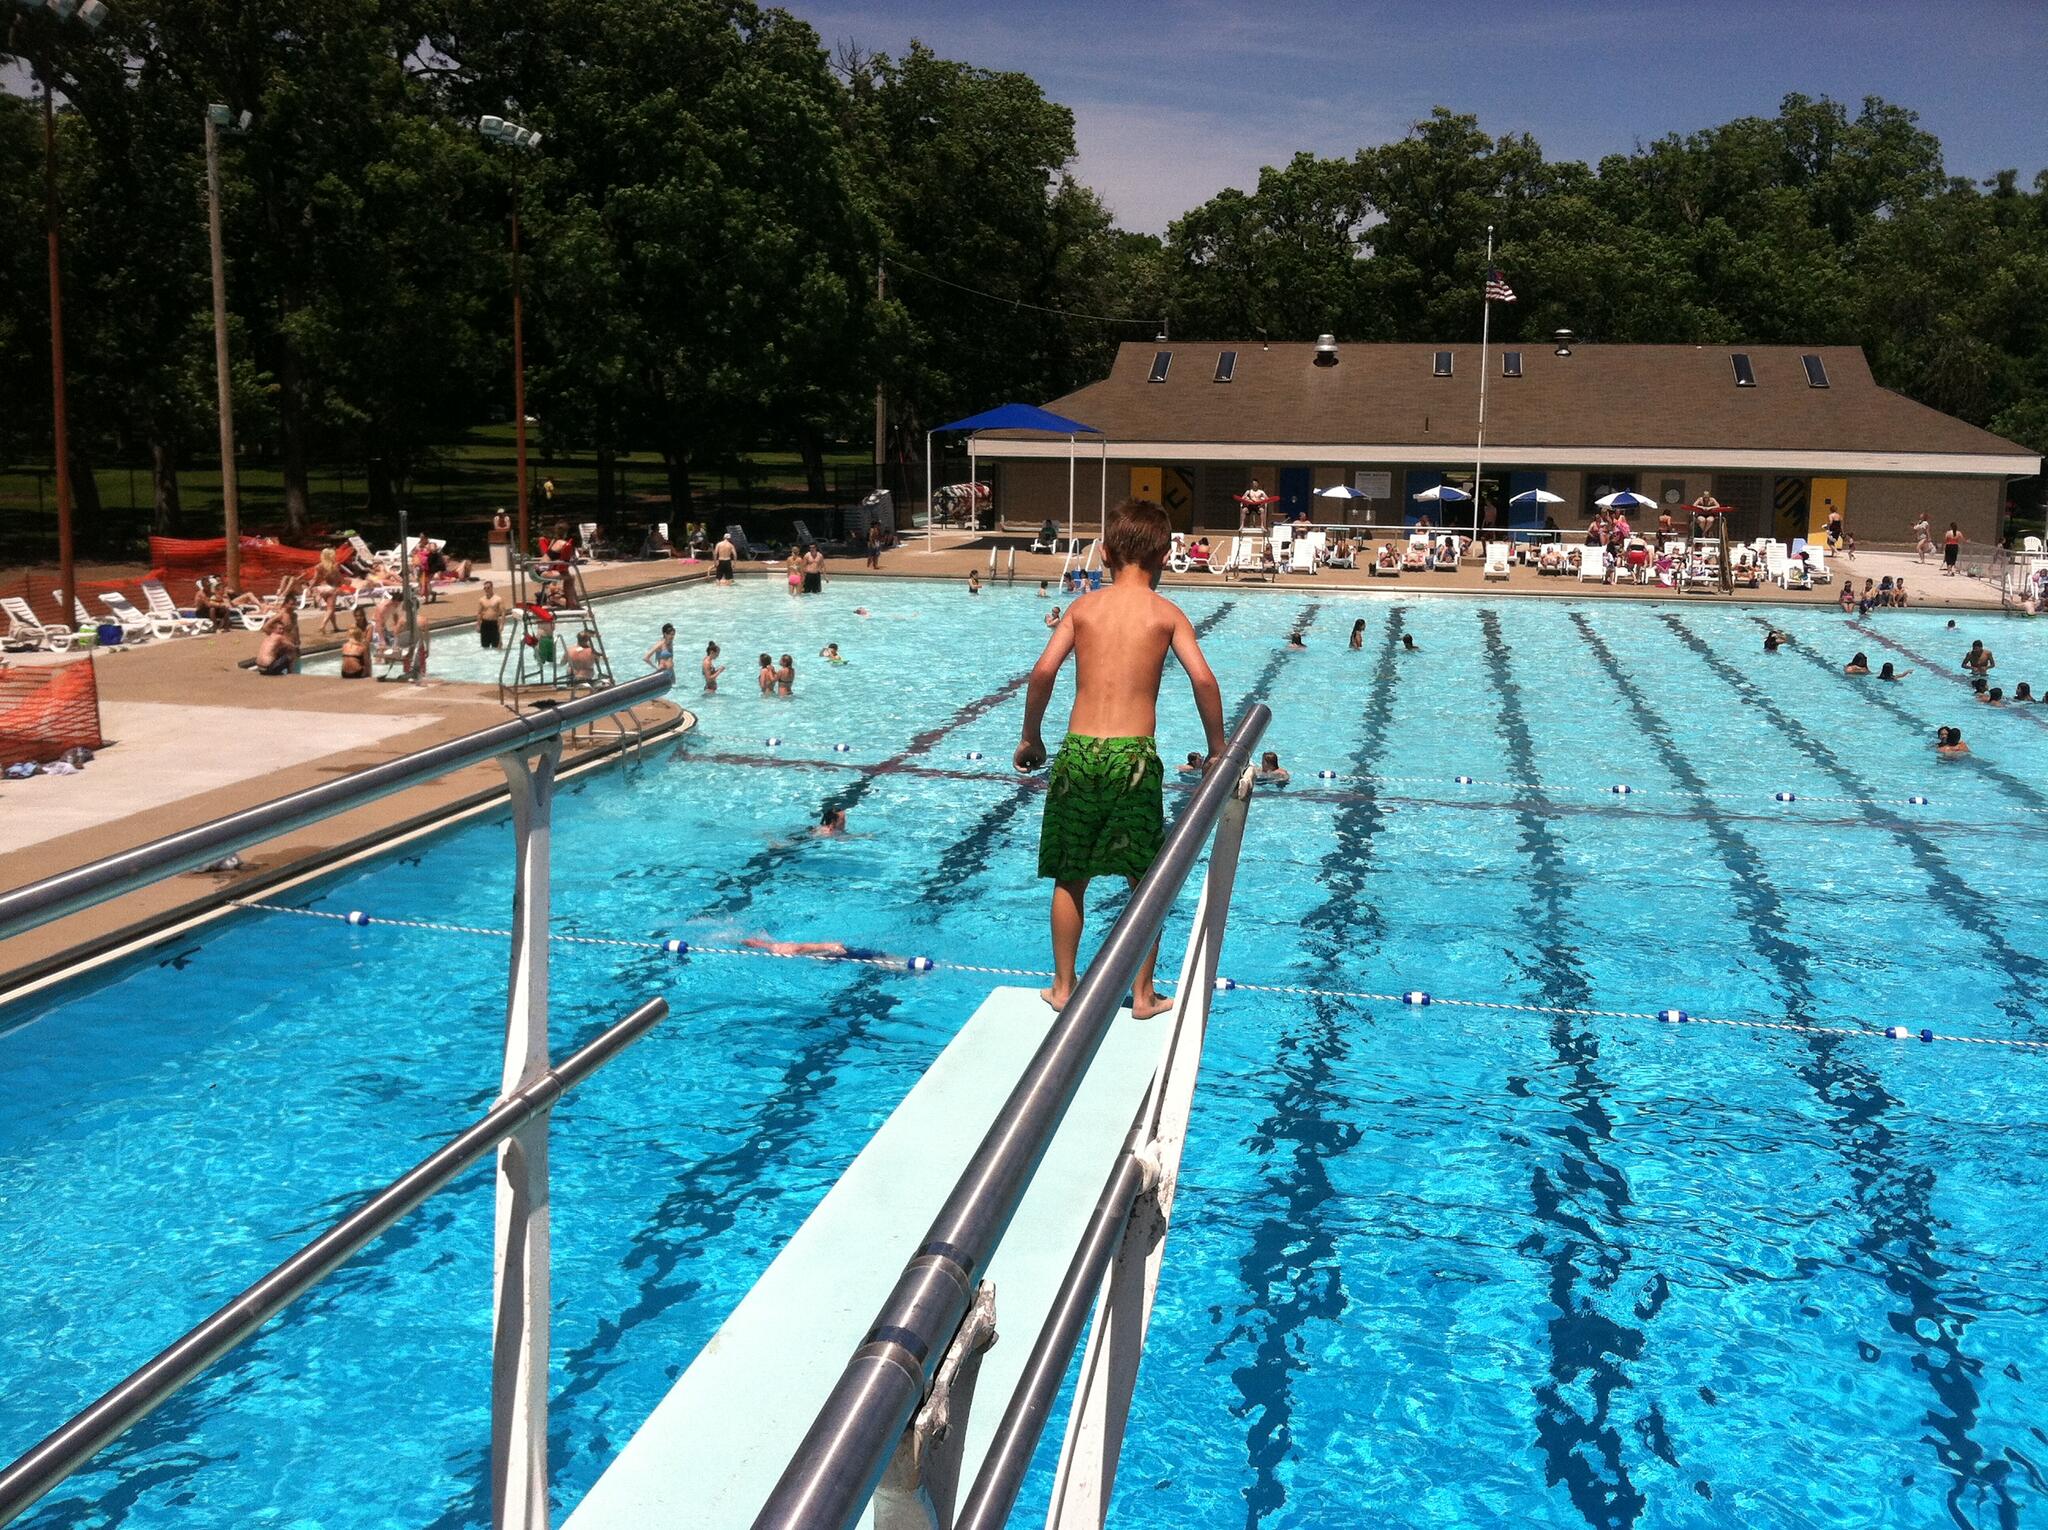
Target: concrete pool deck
192, 736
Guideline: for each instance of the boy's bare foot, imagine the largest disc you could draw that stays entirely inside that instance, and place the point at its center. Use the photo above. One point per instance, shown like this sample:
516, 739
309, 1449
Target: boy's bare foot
1055, 998
1146, 1006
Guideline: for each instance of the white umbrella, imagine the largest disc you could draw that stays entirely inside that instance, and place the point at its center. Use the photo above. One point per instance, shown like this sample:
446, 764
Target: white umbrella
1537, 497
1443, 493
1341, 491
1624, 499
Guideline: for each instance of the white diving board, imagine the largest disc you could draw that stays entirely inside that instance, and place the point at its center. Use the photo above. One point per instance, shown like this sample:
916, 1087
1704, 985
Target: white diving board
713, 1448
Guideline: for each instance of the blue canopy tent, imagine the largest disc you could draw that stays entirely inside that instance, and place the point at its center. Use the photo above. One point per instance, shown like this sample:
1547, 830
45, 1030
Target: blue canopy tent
1017, 417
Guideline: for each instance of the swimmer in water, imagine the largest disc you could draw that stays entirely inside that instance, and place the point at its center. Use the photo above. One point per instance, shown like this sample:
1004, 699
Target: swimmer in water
1948, 743
1995, 697
1194, 766
1774, 640
974, 581
1860, 665
1044, 589
766, 679
824, 948
1888, 673
663, 654
1269, 772
831, 823
712, 668
1358, 634
860, 610
1408, 642
1052, 617
2023, 692
1297, 639
785, 677
830, 654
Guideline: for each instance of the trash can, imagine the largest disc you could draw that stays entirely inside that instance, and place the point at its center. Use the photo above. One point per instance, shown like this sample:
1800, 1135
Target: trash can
110, 635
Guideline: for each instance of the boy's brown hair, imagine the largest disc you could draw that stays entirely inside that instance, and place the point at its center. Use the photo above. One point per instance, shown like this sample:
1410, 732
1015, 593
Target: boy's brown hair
1138, 533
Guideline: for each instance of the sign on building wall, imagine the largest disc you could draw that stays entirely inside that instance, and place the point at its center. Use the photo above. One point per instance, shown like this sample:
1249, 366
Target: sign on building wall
1374, 485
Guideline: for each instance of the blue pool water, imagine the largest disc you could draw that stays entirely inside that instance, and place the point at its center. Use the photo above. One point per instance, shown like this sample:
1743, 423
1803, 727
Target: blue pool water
1436, 1266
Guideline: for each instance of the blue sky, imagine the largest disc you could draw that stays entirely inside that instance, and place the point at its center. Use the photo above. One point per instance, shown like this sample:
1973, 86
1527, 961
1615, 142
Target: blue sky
1176, 99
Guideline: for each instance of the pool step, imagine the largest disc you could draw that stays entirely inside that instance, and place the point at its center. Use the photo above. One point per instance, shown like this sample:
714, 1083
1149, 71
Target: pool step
715, 1445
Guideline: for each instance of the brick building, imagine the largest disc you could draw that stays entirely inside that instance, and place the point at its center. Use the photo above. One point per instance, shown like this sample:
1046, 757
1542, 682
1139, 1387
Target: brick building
1781, 434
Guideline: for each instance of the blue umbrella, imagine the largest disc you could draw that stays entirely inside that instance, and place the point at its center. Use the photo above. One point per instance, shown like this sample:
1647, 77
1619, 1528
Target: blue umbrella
1442, 493
1624, 499
1537, 497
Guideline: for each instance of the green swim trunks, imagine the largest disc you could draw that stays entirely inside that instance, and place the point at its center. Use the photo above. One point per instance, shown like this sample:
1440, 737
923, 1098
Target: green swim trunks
1104, 809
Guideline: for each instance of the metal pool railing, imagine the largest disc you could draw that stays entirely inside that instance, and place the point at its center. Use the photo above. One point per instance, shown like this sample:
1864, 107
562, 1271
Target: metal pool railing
528, 748
889, 1412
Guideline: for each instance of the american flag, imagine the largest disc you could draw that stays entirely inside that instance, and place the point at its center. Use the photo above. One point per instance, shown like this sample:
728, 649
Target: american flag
1497, 288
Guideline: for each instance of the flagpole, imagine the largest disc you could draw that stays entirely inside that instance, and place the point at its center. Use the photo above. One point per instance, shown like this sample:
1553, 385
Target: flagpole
1485, 333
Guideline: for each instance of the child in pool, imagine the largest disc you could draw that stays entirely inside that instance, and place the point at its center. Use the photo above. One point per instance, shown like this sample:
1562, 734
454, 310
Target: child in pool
1103, 808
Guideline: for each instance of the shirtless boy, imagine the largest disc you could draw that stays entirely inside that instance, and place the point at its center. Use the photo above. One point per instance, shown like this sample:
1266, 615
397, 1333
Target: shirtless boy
1103, 805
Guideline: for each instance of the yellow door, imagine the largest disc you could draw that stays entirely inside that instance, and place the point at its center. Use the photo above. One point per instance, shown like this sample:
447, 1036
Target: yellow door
1826, 497
1146, 483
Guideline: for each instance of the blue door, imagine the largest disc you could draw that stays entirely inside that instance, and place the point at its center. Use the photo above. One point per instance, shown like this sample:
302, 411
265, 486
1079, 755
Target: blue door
1413, 482
1293, 492
1524, 516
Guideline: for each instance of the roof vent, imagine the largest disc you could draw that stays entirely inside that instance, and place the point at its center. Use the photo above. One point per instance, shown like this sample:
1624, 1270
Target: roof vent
1563, 339
1326, 350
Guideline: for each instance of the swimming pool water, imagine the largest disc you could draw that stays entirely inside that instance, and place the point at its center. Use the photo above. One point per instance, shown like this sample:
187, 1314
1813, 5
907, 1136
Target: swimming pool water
1429, 1266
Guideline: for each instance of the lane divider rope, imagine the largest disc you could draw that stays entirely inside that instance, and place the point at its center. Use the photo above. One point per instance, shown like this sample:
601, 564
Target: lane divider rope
1413, 998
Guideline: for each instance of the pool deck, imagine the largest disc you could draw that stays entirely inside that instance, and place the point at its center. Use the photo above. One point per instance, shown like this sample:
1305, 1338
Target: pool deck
197, 737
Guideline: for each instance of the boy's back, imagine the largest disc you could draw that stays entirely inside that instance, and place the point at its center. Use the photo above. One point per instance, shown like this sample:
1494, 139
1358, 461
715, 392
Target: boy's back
1120, 637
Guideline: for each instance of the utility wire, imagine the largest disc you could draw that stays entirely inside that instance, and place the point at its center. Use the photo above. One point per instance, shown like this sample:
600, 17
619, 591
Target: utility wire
994, 297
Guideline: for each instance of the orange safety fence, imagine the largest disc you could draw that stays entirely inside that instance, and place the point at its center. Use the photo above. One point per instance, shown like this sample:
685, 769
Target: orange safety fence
46, 709
262, 560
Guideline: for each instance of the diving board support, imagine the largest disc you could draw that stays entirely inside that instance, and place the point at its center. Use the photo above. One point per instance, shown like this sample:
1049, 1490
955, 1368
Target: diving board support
519, 1304
1120, 1256
918, 1489
1123, 1313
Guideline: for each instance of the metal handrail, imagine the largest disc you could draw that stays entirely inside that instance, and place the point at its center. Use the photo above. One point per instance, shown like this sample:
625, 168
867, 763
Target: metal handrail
69, 891
849, 1444
45, 1465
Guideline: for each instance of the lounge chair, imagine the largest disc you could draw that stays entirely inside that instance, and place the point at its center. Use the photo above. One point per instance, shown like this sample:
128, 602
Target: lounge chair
133, 629
1301, 556
1593, 565
1498, 560
164, 609
1253, 559
741, 545
1817, 564
1048, 538
594, 544
1198, 559
1450, 552
131, 616
24, 625
1386, 563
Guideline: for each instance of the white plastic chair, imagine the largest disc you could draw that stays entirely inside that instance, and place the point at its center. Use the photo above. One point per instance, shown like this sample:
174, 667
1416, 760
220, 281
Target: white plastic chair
22, 622
1592, 564
1498, 555
133, 630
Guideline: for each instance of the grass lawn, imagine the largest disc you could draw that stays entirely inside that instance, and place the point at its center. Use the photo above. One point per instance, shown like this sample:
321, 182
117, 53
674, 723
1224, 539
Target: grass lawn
455, 494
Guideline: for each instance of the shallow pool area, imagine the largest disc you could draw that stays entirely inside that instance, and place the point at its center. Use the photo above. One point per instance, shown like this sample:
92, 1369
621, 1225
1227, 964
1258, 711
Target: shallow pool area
1566, 1264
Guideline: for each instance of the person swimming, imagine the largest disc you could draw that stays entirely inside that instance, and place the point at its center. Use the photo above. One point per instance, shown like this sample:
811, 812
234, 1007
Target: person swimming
830, 654
1358, 634
1408, 642
2023, 692
1297, 639
1888, 673
830, 950
1052, 617
1270, 772
831, 823
1860, 665
1995, 697
1194, 765
1774, 640
1948, 743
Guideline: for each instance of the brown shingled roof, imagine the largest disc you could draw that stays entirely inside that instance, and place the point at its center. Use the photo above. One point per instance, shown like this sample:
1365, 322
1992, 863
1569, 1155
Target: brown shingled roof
1623, 396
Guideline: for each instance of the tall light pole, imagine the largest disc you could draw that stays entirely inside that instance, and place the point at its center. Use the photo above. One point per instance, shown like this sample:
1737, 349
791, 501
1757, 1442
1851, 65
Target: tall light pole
498, 130
217, 118
91, 15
